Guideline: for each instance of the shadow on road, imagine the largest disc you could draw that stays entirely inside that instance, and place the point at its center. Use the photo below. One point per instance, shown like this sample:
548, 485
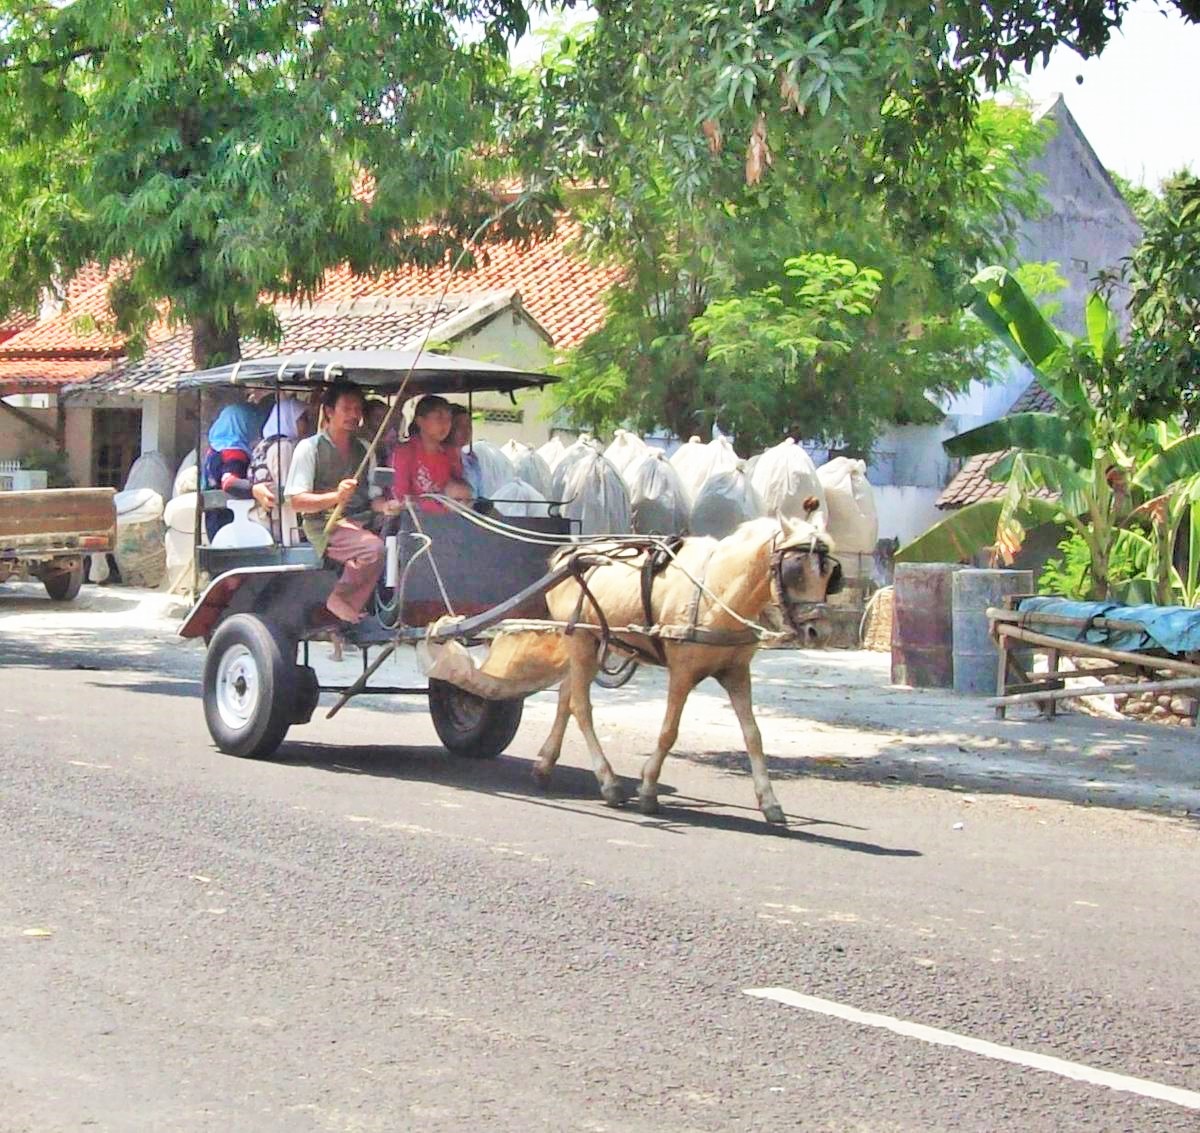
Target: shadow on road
510, 778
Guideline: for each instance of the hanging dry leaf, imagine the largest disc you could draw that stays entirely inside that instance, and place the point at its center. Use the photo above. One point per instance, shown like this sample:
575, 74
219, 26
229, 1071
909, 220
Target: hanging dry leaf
758, 153
711, 129
789, 91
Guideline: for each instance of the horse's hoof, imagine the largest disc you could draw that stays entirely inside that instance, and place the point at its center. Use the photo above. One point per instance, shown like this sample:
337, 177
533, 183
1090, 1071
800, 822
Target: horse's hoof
647, 804
613, 795
541, 776
774, 815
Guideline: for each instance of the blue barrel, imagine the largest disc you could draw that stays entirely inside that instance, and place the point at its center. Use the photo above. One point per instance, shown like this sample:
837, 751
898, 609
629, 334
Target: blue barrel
921, 625
975, 653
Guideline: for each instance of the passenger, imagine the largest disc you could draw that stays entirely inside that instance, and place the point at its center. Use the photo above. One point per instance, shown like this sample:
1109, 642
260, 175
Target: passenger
270, 463
424, 464
377, 409
231, 439
459, 490
322, 476
461, 439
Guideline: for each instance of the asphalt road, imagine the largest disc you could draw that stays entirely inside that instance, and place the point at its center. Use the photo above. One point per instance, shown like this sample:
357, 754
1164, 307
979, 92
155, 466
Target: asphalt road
366, 934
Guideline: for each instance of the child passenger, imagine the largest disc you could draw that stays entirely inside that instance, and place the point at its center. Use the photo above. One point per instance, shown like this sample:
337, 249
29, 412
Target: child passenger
423, 464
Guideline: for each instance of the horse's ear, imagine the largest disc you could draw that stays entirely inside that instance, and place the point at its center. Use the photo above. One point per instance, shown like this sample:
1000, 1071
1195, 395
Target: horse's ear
785, 524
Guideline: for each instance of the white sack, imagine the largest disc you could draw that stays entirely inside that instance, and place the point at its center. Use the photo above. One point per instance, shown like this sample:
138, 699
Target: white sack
583, 449
696, 462
658, 503
517, 498
725, 502
625, 451
139, 505
185, 476
852, 520
180, 514
140, 553
784, 476
152, 471
552, 452
527, 465
180, 555
596, 496
494, 467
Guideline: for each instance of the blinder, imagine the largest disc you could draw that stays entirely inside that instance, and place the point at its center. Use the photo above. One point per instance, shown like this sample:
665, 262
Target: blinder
780, 565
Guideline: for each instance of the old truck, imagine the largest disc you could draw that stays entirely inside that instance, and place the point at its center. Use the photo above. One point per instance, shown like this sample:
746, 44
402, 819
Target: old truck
46, 534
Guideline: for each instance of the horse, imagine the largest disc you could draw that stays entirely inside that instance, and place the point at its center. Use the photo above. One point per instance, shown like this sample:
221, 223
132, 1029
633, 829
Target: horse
704, 597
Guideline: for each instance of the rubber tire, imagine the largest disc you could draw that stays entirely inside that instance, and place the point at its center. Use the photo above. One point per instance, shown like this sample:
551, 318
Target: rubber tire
271, 715
63, 585
618, 677
484, 737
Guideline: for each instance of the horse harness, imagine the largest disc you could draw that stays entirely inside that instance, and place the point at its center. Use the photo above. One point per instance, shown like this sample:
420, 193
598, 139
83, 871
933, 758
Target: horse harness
658, 554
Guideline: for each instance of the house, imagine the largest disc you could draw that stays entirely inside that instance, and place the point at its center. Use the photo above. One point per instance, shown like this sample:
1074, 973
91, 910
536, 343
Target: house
1087, 228
519, 305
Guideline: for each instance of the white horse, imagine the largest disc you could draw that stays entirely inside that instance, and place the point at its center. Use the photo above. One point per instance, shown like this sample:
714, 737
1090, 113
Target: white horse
703, 597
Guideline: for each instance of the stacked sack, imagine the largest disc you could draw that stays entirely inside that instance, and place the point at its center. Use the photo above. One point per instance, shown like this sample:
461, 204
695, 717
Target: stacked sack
140, 551
696, 462
592, 490
495, 468
784, 477
528, 466
726, 501
658, 503
852, 520
180, 519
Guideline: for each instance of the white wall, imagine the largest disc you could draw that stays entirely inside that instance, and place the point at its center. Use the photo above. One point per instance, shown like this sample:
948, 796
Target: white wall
904, 512
17, 438
79, 444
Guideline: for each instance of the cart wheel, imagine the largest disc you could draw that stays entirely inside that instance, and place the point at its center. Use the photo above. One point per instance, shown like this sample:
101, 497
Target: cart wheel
63, 585
470, 725
250, 687
616, 672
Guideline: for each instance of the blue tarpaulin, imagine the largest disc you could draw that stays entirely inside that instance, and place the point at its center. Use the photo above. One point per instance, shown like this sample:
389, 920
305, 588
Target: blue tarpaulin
1173, 628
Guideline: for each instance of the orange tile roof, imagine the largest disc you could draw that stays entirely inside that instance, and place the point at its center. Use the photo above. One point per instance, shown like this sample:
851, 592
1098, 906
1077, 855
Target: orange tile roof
40, 375
59, 337
558, 288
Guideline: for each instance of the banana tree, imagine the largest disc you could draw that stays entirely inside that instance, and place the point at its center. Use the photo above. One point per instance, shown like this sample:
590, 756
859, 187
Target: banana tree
1078, 466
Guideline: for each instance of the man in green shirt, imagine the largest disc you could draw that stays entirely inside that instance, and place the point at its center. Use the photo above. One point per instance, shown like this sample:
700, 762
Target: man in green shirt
322, 476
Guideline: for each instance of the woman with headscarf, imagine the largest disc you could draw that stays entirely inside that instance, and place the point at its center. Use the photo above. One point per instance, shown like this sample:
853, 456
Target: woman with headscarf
287, 424
231, 439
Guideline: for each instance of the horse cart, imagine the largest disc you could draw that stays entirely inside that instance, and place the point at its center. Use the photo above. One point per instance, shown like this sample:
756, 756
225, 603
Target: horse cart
553, 608
262, 607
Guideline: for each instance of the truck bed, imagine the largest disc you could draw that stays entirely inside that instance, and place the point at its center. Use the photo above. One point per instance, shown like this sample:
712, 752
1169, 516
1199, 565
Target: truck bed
57, 521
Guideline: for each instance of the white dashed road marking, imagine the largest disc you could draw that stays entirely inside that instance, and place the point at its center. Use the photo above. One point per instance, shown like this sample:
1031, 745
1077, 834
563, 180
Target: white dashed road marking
1189, 1099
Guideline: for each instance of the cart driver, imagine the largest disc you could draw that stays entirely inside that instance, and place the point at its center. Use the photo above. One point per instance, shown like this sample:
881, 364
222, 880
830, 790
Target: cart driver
322, 476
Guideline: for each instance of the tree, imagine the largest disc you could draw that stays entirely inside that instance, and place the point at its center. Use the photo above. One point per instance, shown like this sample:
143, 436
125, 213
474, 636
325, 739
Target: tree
219, 151
1092, 465
712, 326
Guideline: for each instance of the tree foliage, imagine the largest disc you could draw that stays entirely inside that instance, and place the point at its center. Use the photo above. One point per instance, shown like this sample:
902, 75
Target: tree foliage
219, 150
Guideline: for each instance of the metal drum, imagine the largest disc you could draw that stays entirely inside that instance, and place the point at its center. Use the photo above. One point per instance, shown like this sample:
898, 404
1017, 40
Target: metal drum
921, 625
975, 654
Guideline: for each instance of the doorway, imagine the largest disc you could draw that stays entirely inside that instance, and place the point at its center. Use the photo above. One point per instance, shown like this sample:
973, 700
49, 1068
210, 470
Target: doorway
116, 444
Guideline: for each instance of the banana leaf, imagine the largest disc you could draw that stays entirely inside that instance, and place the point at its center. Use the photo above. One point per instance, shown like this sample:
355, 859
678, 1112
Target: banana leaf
1034, 470
966, 532
1104, 332
1028, 432
1178, 461
1002, 305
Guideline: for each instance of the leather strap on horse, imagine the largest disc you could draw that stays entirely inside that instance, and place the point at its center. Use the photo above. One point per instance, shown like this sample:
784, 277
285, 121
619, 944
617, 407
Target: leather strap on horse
658, 558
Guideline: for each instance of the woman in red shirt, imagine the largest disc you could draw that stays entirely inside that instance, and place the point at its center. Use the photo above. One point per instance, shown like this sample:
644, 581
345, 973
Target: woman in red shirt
423, 464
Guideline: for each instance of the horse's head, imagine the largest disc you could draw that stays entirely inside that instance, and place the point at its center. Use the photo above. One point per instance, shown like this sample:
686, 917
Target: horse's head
804, 573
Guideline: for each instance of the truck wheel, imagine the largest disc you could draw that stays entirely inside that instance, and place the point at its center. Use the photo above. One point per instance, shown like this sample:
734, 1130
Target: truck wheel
250, 687
470, 725
63, 585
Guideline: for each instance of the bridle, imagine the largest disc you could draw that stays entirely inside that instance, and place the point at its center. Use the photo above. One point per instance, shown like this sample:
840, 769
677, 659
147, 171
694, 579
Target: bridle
800, 612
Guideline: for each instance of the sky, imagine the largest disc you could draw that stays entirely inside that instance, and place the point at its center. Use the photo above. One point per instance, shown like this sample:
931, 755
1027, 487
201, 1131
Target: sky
1139, 102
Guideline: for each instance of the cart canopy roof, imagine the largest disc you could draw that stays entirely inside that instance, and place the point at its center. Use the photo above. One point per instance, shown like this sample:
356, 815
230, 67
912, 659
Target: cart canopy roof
382, 370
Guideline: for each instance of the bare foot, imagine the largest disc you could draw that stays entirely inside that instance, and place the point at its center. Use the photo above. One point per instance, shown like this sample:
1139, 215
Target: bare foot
342, 609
